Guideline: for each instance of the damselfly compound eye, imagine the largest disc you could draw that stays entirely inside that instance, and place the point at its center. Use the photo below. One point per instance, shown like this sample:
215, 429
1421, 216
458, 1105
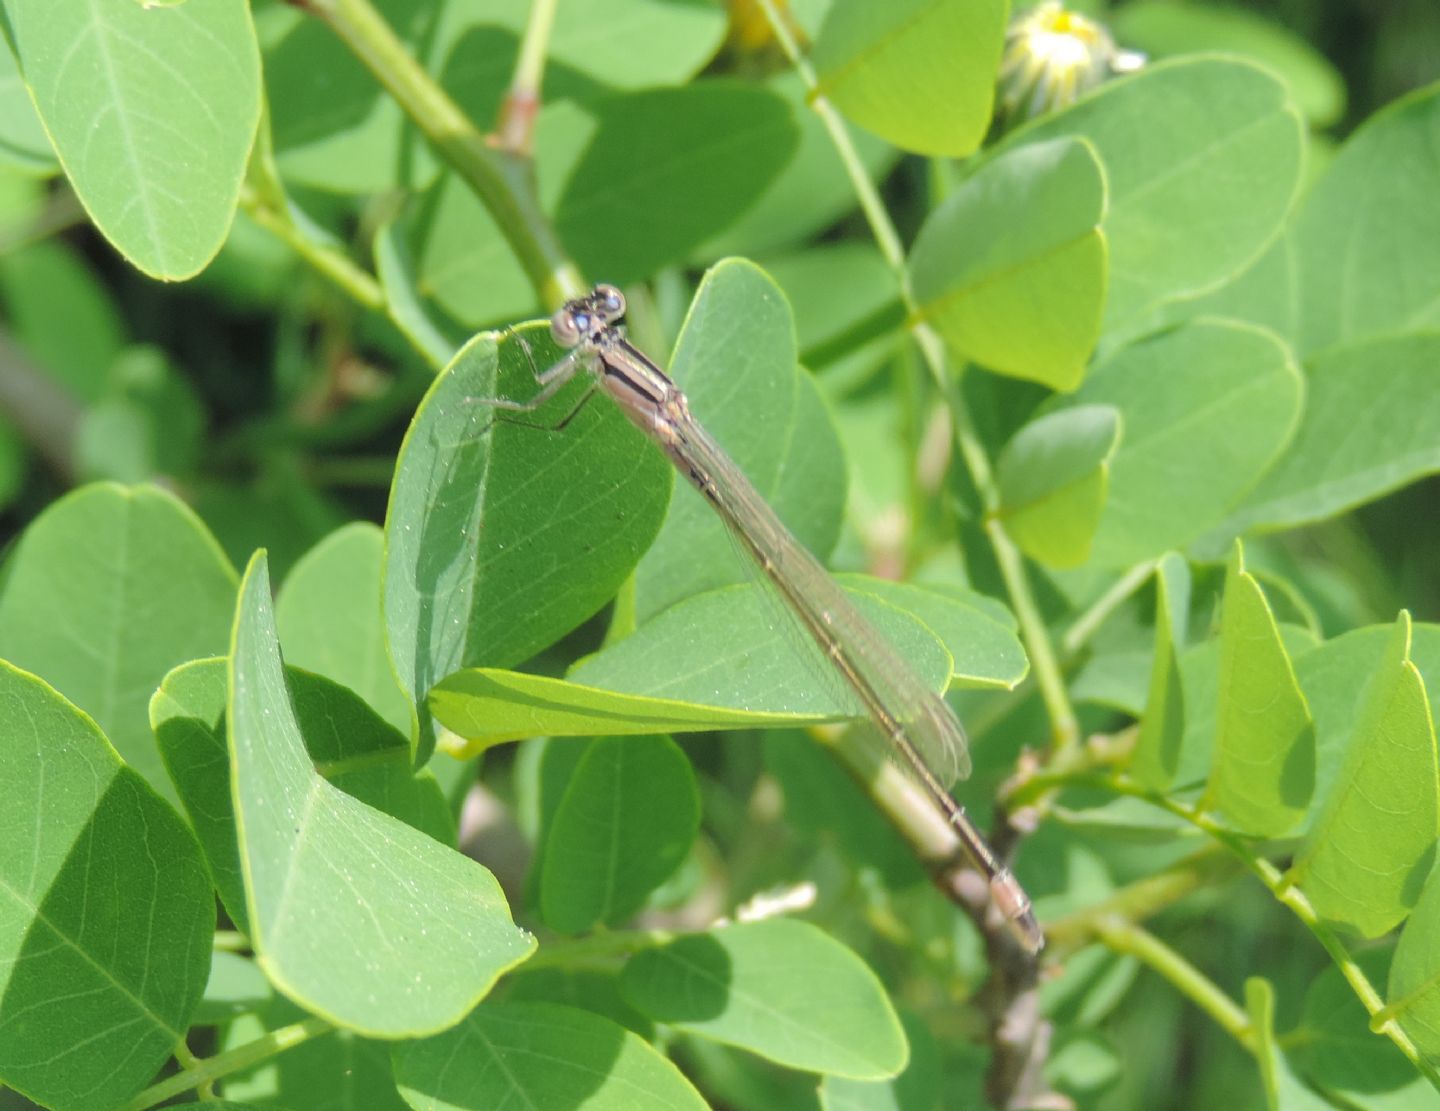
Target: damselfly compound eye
568, 325
610, 301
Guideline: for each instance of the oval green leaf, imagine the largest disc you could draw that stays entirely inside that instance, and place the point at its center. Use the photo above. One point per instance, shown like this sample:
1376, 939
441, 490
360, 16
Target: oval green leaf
1053, 475
1263, 775
1370, 850
629, 816
1366, 240
1335, 462
474, 575
1206, 409
782, 989
1412, 996
108, 590
106, 913
1226, 156
427, 930
152, 112
735, 360
540, 1055
918, 73
328, 614
1011, 268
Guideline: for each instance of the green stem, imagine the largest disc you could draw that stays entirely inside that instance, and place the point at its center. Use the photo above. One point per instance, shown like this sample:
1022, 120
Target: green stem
1125, 937
355, 282
504, 181
1123, 587
209, 1069
1275, 881
600, 947
516, 127
1065, 731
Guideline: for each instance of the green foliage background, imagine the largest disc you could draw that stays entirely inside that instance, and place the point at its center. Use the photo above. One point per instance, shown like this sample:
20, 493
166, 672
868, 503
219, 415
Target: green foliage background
1121, 423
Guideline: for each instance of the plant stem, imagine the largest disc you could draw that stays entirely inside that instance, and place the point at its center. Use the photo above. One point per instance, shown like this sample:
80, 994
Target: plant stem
515, 129
502, 180
1126, 937
355, 282
1064, 729
209, 1069
1085, 625
597, 947
1275, 882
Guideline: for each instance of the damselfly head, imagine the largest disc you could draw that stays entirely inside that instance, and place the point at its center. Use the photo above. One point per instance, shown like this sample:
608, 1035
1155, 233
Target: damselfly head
608, 303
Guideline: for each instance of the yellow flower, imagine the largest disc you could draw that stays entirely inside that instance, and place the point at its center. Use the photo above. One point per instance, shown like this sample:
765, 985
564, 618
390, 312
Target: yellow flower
1052, 57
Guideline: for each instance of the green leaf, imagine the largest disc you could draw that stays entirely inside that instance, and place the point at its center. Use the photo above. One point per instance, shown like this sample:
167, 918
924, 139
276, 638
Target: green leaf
1413, 993
1227, 160
340, 1068
1337, 1050
152, 113
426, 930
404, 300
713, 661
1053, 476
1264, 765
109, 589
1260, 1006
334, 130
149, 423
918, 73
810, 194
23, 143
715, 143
328, 613
540, 1055
1010, 269
735, 360
1162, 28
1369, 852
106, 912
1366, 239
1330, 677
978, 631
61, 314
629, 816
501, 537
1205, 408
918, 1088
355, 750
1162, 728
780, 988
604, 168
1369, 427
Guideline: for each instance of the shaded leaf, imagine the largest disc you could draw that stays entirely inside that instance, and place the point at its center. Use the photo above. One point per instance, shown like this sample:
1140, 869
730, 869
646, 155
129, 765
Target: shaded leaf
735, 360
1370, 850
427, 930
780, 988
629, 816
1053, 477
1162, 728
501, 537
1263, 773
540, 1055
1011, 268
328, 614
96, 984
109, 589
